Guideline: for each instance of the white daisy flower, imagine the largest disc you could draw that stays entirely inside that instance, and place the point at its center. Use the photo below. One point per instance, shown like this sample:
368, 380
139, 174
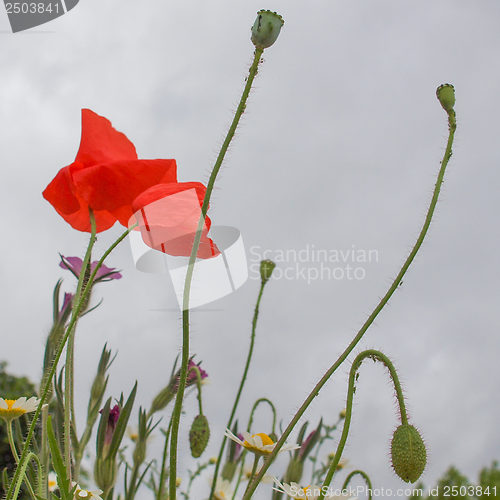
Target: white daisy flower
87, 494
311, 492
260, 444
14, 408
295, 491
223, 490
52, 480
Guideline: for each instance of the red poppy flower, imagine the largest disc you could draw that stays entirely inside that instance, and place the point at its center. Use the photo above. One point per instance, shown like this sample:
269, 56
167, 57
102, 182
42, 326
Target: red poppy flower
106, 176
168, 217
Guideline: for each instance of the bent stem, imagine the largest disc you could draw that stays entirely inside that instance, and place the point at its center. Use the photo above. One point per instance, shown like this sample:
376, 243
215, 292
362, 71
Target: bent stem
240, 388
376, 356
365, 476
13, 491
176, 415
385, 299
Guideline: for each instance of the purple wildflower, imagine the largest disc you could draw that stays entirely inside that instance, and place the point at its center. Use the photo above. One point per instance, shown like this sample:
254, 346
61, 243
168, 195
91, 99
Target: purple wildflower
66, 305
74, 264
114, 415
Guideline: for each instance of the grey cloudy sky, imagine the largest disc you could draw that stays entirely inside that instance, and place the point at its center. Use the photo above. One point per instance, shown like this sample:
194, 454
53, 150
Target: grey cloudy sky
340, 146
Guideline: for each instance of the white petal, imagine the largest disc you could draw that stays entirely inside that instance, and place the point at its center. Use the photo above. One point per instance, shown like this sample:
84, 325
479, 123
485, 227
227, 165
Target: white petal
3, 404
19, 403
235, 438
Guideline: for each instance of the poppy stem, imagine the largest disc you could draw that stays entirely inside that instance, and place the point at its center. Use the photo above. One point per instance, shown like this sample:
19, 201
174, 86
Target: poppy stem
376, 356
26, 455
240, 389
70, 351
176, 415
452, 125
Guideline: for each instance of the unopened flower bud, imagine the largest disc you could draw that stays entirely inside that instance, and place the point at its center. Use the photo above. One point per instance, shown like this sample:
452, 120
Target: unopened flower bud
294, 471
266, 270
266, 29
229, 470
105, 473
199, 435
408, 452
178, 482
446, 95
343, 413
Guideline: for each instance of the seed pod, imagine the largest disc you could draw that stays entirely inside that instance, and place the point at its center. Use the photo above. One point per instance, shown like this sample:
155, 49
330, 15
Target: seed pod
408, 452
266, 29
266, 270
199, 435
446, 95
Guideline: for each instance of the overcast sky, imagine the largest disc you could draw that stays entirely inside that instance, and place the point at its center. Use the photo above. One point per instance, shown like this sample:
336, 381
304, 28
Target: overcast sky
340, 146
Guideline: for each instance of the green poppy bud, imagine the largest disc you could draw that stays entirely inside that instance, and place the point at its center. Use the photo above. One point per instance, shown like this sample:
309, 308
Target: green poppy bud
408, 452
199, 435
266, 270
446, 95
266, 29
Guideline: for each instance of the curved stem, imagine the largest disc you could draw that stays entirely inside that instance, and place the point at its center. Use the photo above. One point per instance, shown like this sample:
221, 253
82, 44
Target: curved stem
376, 356
365, 476
254, 408
12, 493
176, 415
373, 315
70, 352
240, 388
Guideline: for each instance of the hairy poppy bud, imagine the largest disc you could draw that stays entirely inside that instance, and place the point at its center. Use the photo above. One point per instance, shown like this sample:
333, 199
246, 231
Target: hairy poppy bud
266, 29
408, 452
446, 95
266, 270
199, 435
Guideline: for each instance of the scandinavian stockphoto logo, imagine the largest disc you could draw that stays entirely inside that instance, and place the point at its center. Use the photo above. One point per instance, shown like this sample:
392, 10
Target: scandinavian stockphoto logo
161, 242
27, 14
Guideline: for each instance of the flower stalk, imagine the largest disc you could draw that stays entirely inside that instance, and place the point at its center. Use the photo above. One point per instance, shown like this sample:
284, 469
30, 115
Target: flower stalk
452, 125
176, 416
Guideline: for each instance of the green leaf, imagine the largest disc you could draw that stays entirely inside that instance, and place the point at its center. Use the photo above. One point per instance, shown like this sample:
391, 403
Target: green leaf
121, 425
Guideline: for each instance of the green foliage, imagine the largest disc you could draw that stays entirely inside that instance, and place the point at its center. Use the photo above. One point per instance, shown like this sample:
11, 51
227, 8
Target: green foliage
11, 387
455, 485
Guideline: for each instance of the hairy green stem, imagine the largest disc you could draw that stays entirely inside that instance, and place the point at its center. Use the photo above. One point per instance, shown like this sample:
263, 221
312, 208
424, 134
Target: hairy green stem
12, 444
365, 476
176, 415
254, 408
240, 388
12, 493
373, 315
376, 356
164, 463
70, 353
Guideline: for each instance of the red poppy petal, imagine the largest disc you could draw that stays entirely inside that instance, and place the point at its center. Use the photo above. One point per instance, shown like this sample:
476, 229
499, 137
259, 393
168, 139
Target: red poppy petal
81, 222
168, 219
114, 186
59, 193
160, 191
101, 143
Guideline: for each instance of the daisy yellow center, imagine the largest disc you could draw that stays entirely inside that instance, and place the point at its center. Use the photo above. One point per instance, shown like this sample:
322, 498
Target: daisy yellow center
266, 440
11, 412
